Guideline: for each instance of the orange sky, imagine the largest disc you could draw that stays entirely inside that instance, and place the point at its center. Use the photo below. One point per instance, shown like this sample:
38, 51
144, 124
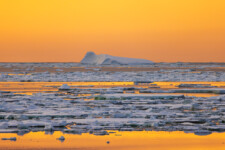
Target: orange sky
158, 30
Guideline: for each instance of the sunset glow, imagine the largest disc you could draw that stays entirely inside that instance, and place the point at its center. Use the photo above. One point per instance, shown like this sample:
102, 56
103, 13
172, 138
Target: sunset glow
158, 30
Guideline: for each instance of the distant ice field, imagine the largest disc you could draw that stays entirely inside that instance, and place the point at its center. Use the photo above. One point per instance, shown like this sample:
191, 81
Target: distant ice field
58, 72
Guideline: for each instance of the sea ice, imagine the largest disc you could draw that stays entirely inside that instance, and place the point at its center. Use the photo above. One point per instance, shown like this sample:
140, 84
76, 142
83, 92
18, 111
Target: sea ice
64, 87
62, 138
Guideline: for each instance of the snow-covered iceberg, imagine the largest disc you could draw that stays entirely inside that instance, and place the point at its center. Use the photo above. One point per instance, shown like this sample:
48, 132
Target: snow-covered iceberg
104, 59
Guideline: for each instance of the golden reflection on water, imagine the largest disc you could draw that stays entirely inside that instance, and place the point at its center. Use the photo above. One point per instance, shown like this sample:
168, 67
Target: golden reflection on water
185, 94
141, 140
192, 94
18, 74
29, 88
177, 83
53, 86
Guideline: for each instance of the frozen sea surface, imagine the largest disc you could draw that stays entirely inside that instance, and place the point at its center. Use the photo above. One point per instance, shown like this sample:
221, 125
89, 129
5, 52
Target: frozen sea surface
96, 110
44, 97
78, 72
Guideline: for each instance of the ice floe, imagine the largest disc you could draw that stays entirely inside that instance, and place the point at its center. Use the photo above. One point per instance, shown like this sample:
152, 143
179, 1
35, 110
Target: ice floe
11, 138
64, 87
124, 112
61, 138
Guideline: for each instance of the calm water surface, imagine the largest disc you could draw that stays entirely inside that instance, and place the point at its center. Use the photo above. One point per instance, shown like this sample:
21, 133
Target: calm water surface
141, 140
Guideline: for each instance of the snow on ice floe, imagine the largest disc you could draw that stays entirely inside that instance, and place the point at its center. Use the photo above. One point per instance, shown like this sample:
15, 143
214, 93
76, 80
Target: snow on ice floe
139, 96
104, 59
64, 87
61, 138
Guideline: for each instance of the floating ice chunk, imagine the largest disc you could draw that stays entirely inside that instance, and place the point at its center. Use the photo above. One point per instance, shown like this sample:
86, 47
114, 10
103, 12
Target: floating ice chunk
11, 139
4, 125
120, 115
62, 138
195, 85
221, 97
126, 129
139, 96
60, 124
101, 133
154, 124
195, 106
23, 117
64, 87
58, 70
202, 132
220, 128
213, 90
49, 127
97, 69
23, 132
22, 126
9, 117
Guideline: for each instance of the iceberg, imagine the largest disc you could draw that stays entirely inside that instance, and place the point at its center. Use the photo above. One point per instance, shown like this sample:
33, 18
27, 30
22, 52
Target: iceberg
64, 87
62, 138
104, 59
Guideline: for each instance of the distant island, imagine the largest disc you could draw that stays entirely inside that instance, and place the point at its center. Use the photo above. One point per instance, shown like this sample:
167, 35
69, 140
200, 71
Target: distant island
104, 59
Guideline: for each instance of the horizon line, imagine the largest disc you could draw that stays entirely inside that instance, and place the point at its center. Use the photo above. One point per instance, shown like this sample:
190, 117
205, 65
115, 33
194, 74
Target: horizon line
79, 62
